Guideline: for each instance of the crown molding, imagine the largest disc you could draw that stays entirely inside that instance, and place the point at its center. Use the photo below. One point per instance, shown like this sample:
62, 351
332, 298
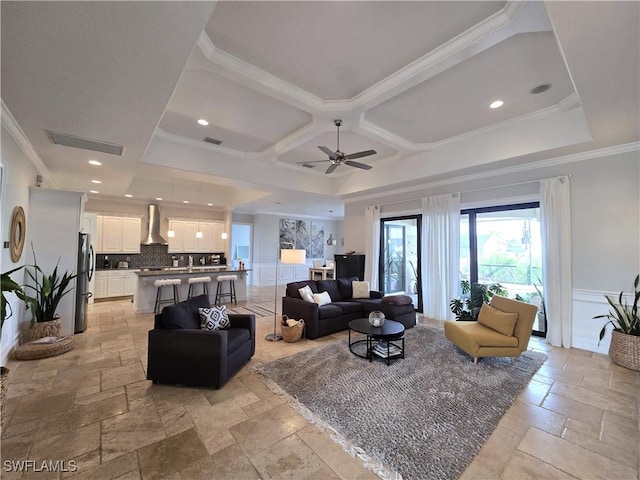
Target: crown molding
549, 162
12, 126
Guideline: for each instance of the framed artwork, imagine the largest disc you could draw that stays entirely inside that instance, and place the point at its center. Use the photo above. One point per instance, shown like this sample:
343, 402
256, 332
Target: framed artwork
303, 234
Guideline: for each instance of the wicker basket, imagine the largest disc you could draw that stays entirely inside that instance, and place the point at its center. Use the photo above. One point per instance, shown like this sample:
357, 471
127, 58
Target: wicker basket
41, 330
291, 334
625, 350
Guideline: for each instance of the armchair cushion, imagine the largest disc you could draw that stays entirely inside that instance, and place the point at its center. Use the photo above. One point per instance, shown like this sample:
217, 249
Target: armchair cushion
184, 315
501, 322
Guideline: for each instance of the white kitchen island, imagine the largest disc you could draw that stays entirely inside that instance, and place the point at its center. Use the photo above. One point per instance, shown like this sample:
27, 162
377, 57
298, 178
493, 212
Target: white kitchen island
145, 297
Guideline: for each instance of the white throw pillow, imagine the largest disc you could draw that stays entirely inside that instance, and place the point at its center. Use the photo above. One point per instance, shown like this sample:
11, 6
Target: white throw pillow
306, 293
360, 289
214, 318
322, 298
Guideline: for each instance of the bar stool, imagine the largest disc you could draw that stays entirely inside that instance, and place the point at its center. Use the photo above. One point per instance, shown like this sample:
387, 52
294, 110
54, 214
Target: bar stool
163, 282
232, 288
193, 283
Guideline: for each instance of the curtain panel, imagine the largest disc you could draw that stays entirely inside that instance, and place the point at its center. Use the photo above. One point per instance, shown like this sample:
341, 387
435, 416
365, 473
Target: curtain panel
555, 224
372, 246
440, 254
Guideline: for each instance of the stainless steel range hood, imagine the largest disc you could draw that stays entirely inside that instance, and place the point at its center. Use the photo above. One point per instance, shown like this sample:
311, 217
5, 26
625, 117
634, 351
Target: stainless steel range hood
154, 237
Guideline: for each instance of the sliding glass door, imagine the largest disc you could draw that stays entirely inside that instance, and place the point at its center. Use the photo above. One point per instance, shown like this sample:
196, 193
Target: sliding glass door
400, 257
503, 245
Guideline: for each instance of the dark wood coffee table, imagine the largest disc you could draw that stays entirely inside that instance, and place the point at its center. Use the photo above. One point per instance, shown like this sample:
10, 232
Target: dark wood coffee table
389, 332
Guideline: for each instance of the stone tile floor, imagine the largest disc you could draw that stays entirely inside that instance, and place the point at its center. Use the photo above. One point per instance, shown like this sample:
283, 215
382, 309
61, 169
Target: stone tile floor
578, 418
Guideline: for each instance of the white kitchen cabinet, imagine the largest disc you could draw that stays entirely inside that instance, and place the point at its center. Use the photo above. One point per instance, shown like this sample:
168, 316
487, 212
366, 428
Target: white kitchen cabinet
185, 240
115, 283
100, 285
131, 230
117, 234
97, 242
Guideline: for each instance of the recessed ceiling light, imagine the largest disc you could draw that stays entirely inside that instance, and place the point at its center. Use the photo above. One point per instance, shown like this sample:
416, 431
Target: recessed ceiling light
95, 162
203, 122
210, 204
159, 198
185, 201
128, 195
96, 181
540, 88
94, 191
496, 104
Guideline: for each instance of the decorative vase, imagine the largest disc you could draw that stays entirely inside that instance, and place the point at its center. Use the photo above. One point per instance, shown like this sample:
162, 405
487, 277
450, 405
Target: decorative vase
376, 318
41, 330
625, 350
4, 377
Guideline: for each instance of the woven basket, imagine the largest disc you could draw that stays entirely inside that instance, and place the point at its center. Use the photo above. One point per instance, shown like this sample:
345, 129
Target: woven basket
625, 350
41, 330
291, 334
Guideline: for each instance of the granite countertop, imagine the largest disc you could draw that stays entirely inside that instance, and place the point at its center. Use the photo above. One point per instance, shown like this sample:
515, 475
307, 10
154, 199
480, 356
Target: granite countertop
151, 271
163, 268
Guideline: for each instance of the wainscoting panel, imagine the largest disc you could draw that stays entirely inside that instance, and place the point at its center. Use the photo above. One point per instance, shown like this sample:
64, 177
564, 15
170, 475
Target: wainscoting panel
266, 273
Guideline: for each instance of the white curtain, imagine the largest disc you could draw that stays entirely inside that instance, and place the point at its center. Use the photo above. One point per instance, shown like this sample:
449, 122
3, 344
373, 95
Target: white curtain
372, 245
555, 220
440, 254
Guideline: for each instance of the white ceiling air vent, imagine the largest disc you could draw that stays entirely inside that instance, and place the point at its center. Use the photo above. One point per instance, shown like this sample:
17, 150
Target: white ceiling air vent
215, 141
79, 142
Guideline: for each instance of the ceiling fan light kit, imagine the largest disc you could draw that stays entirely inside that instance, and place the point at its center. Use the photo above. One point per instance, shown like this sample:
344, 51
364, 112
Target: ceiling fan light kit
338, 158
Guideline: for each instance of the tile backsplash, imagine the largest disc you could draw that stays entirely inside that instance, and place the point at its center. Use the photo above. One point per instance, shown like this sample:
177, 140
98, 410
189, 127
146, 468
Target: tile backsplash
152, 256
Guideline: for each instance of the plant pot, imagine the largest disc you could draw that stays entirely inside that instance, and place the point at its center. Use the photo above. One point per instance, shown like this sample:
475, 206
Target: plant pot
625, 350
4, 378
41, 330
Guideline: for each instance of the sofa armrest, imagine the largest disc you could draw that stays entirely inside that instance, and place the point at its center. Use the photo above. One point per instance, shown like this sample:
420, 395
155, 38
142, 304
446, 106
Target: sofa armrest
300, 309
177, 356
375, 294
247, 321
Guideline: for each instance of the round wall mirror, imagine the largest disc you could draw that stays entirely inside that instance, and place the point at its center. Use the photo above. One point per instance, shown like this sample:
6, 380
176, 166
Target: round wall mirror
18, 233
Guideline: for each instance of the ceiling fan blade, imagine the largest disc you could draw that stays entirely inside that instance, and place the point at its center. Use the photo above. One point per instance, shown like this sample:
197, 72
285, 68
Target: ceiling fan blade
331, 168
313, 161
366, 153
331, 153
358, 165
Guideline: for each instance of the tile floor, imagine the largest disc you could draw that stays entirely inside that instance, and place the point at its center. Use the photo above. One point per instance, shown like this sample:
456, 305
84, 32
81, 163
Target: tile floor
578, 418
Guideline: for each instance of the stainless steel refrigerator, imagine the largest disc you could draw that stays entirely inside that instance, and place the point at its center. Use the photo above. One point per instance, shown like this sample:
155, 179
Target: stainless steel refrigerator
86, 267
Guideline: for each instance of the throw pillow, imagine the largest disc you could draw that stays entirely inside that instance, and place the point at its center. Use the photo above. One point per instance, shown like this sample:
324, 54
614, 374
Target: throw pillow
397, 299
214, 318
360, 289
306, 293
501, 322
322, 298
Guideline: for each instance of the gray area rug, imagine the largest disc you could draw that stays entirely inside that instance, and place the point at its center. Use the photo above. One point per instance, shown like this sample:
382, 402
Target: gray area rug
423, 417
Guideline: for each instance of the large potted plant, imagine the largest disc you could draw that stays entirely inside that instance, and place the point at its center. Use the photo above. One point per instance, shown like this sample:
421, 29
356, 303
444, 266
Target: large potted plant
625, 337
48, 290
8, 285
467, 308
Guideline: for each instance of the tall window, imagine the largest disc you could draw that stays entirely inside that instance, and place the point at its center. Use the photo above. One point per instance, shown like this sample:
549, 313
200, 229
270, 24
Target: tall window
502, 245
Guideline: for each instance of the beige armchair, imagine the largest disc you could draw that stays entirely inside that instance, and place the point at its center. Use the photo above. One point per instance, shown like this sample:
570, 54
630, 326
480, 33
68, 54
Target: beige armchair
504, 333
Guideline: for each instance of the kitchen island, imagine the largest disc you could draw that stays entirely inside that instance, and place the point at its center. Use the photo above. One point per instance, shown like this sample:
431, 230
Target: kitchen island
145, 297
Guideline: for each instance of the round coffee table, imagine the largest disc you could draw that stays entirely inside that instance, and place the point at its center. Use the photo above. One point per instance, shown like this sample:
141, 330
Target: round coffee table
379, 341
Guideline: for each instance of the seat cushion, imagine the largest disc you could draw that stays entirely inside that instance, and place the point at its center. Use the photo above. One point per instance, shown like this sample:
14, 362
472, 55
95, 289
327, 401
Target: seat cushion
329, 311
397, 299
350, 307
185, 315
236, 337
470, 336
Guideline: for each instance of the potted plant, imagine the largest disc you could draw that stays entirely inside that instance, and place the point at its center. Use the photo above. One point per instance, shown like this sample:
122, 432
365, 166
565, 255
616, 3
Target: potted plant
625, 337
8, 285
48, 291
468, 308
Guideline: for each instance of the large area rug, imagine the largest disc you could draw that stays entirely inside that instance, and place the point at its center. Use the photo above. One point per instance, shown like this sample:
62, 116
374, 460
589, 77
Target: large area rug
255, 309
423, 417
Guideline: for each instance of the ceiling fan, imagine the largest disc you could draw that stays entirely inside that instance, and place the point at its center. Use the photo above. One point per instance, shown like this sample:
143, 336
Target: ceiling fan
338, 158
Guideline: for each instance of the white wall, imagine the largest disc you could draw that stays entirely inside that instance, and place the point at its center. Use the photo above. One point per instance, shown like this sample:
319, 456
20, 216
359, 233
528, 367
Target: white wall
605, 203
19, 174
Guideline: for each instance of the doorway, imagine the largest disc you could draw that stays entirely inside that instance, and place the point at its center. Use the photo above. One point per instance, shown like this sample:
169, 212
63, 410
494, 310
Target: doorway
241, 235
399, 265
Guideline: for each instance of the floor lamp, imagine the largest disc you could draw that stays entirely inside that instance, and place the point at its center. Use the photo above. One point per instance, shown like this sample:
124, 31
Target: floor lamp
288, 256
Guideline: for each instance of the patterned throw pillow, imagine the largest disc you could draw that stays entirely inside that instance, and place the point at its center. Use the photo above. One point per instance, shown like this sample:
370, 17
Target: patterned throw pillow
306, 293
214, 318
360, 289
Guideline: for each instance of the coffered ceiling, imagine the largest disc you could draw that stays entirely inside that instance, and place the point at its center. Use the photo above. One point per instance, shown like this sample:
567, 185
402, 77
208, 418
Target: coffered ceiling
411, 80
